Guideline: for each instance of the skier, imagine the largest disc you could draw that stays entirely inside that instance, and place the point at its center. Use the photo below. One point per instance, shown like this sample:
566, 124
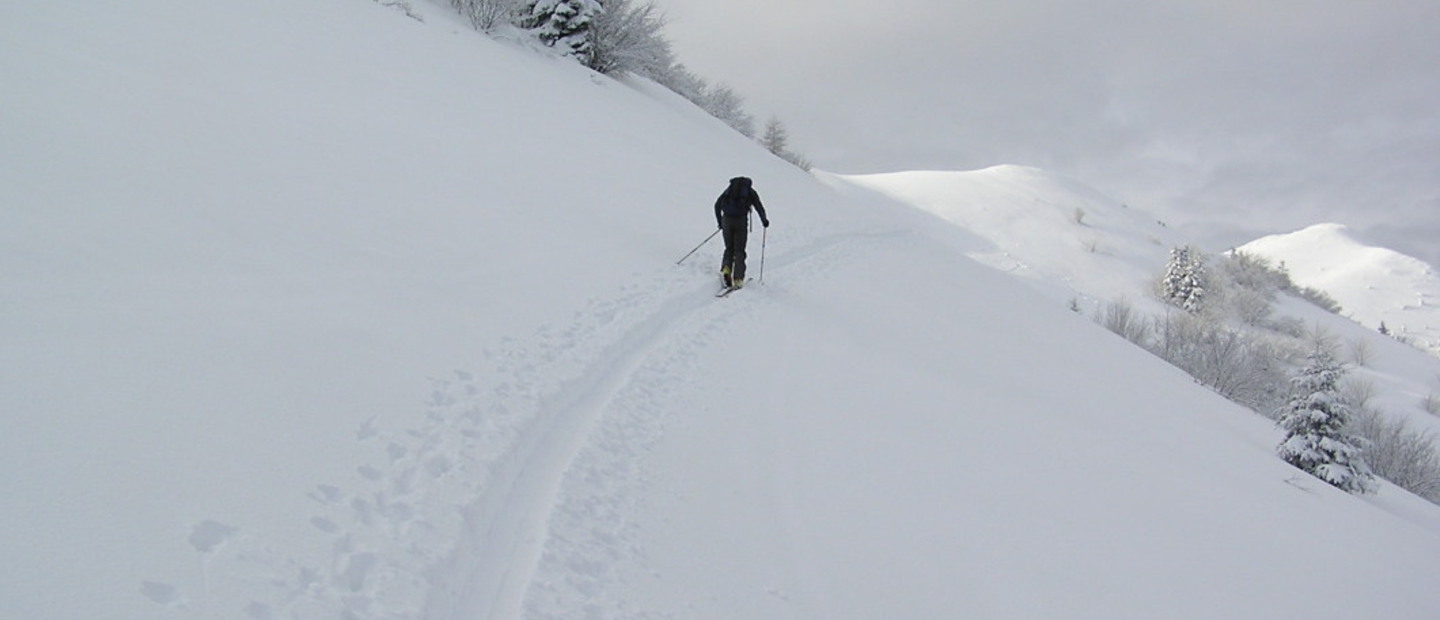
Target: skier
732, 215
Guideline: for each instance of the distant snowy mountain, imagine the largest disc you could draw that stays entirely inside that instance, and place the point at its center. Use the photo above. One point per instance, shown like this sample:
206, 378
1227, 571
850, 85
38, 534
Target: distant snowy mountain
1373, 285
312, 310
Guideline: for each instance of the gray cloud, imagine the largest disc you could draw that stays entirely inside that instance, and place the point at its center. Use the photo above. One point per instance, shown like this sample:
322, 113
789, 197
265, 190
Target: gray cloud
1249, 116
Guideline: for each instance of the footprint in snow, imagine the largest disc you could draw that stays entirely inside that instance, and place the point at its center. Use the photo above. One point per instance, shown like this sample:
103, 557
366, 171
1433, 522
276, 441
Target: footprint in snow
209, 535
162, 593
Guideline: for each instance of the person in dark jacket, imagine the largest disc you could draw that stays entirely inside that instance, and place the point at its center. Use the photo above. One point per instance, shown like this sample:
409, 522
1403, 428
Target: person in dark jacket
732, 215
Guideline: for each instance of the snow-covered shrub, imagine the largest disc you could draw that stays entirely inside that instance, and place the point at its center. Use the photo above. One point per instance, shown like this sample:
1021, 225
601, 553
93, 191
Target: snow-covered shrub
403, 6
1241, 365
1406, 457
487, 15
614, 37
1248, 306
1288, 326
1253, 272
724, 103
1357, 392
1243, 287
718, 101
1319, 298
1122, 318
1361, 352
682, 82
1315, 420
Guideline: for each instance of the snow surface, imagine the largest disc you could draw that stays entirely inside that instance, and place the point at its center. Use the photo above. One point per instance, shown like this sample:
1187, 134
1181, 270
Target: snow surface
312, 310
1078, 246
1066, 238
1372, 284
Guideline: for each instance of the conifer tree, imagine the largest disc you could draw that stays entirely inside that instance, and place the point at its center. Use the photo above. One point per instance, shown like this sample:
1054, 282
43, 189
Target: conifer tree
776, 138
1184, 282
1314, 421
564, 25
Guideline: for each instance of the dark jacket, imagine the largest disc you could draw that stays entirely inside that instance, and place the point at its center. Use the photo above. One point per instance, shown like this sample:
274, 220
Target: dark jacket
736, 202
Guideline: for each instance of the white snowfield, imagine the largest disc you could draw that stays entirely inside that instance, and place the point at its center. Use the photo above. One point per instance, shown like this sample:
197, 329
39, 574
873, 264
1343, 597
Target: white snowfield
1063, 237
1077, 246
311, 310
1373, 285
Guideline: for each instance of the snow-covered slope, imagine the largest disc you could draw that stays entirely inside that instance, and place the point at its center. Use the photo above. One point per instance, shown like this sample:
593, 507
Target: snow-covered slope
1075, 244
1061, 235
1373, 285
315, 311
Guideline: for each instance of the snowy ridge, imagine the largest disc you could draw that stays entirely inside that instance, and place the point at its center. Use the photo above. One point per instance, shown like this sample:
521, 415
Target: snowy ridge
241, 236
1066, 237
1373, 285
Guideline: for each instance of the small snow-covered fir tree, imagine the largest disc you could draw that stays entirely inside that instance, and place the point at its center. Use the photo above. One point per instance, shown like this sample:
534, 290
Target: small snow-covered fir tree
1184, 283
564, 25
1314, 421
776, 138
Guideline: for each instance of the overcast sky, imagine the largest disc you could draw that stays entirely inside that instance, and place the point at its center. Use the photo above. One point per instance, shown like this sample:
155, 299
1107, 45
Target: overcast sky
1232, 117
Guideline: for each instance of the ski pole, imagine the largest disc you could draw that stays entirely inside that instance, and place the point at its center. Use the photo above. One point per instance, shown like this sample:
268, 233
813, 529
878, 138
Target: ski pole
697, 248
763, 232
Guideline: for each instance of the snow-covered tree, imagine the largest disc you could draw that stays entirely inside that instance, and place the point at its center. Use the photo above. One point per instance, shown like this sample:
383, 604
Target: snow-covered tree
1184, 283
775, 139
1315, 420
679, 79
725, 104
626, 38
564, 25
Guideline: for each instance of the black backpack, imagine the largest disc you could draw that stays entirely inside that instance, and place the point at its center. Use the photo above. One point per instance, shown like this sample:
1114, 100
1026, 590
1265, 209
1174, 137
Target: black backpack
736, 201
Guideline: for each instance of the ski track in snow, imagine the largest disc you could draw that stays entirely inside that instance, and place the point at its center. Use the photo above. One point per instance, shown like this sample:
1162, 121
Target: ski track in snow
514, 497
511, 519
555, 515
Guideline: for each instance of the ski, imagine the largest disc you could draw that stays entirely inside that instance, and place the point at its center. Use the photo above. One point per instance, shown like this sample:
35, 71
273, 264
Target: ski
725, 289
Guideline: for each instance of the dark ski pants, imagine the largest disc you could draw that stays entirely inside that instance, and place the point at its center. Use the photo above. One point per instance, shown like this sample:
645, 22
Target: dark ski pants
735, 231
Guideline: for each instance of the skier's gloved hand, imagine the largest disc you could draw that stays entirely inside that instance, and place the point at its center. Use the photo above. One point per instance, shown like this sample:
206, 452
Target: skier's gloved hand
765, 223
